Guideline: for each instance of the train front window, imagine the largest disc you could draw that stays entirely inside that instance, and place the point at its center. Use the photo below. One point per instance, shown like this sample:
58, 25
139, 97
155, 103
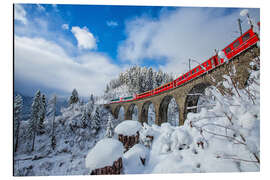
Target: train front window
236, 44
246, 37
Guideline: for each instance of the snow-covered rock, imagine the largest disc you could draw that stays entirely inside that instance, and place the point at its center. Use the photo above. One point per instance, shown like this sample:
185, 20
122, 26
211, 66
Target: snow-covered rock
133, 159
104, 153
128, 127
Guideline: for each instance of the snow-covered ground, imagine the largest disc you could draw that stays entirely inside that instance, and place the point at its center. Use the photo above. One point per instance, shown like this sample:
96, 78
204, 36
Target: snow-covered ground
72, 145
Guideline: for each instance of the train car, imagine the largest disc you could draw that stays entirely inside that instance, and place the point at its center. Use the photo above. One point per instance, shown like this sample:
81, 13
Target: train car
115, 100
242, 43
144, 94
164, 87
129, 98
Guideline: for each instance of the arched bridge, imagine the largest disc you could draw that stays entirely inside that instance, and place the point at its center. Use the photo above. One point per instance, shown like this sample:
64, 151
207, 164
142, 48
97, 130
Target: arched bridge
187, 94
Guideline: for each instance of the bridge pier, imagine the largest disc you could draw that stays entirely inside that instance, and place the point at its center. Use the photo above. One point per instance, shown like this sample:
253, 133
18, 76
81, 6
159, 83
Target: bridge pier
181, 109
127, 114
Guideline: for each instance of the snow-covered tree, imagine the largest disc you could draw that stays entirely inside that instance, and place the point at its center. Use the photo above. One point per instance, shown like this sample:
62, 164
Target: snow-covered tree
149, 79
35, 116
43, 107
109, 130
52, 112
74, 98
85, 118
92, 99
95, 123
18, 104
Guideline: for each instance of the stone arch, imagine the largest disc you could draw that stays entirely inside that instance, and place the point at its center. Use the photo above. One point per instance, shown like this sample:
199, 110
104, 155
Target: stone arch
145, 110
130, 111
163, 109
191, 99
116, 111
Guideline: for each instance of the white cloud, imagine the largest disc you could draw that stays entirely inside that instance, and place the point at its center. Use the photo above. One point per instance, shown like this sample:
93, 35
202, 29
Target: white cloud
20, 13
85, 38
65, 26
177, 36
38, 61
40, 7
112, 23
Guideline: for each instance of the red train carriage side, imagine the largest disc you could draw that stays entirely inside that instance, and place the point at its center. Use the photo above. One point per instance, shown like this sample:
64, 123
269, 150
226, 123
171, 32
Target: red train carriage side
163, 88
245, 41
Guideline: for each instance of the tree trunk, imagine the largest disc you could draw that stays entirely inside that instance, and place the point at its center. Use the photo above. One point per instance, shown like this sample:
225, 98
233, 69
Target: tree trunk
53, 137
33, 143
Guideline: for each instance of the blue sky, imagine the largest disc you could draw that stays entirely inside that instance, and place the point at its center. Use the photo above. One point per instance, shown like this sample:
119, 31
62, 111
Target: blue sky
61, 47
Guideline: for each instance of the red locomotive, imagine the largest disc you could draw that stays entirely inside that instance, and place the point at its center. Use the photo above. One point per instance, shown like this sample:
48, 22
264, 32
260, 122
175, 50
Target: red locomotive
242, 43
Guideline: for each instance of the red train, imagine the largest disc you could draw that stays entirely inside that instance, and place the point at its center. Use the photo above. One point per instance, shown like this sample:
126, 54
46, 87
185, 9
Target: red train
242, 43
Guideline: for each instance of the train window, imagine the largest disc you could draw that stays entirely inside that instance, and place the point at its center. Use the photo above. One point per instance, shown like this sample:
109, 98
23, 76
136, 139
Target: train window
246, 37
236, 44
212, 61
198, 69
228, 50
193, 71
207, 64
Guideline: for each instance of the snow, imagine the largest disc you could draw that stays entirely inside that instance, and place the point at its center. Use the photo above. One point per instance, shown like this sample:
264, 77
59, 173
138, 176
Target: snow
132, 159
104, 154
222, 138
172, 164
128, 127
180, 139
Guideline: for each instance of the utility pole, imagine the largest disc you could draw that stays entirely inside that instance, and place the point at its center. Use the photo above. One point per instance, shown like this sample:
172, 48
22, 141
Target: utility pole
240, 27
189, 64
249, 20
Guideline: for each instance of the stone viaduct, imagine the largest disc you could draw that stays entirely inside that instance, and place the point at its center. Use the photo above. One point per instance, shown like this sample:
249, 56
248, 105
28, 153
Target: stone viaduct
187, 95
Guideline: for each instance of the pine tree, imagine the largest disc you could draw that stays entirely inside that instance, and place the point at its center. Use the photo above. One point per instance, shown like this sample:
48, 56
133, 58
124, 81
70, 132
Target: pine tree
43, 107
92, 99
74, 98
84, 118
52, 112
149, 79
109, 130
18, 104
35, 116
95, 123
